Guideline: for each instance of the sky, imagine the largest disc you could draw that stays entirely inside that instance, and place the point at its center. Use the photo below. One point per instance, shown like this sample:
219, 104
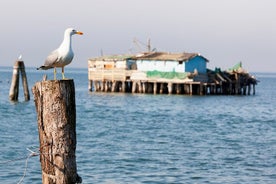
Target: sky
224, 31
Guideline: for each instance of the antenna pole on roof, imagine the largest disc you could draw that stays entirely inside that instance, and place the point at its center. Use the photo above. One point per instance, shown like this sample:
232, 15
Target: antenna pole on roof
138, 44
149, 46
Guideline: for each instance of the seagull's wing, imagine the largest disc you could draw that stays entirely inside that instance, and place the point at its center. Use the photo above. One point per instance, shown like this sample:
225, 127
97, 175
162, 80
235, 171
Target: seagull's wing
52, 58
50, 61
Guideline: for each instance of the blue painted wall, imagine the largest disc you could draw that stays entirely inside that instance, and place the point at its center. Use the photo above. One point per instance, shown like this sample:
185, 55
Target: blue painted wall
198, 63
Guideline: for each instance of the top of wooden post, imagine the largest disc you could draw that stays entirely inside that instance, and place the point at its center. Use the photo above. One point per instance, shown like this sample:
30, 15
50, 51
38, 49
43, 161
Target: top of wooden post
19, 64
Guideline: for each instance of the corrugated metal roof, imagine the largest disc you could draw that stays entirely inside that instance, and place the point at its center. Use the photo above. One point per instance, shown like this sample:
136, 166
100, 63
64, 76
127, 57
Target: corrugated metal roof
112, 58
165, 56
159, 56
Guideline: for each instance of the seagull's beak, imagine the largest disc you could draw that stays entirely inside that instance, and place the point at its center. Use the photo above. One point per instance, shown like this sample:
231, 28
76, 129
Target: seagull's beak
79, 32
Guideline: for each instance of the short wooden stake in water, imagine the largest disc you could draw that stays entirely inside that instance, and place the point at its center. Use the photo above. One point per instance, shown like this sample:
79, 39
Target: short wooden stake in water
19, 67
56, 118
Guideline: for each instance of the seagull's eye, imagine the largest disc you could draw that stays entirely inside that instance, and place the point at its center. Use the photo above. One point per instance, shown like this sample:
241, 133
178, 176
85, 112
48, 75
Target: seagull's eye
74, 30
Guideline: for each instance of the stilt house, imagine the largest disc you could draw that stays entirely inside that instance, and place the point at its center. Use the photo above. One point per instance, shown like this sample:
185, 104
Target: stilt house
162, 72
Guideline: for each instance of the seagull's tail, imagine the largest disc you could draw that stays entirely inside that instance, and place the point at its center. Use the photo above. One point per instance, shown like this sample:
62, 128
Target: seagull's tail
43, 68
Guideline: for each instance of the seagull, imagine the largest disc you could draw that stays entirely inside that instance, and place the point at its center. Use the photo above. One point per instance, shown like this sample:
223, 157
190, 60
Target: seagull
63, 55
20, 57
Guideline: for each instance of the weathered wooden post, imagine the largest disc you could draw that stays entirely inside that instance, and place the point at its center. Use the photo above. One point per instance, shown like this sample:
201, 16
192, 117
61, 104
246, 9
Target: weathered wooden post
113, 85
161, 90
253, 88
178, 88
97, 85
134, 83
191, 89
201, 89
90, 85
106, 86
249, 88
56, 118
146, 87
149, 87
19, 67
155, 88
139, 86
24, 81
15, 83
103, 86
123, 86
170, 88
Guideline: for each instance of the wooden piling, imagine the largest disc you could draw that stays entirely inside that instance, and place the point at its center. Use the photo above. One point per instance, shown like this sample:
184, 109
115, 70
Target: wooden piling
103, 86
19, 67
113, 86
123, 86
191, 89
170, 88
56, 118
253, 89
106, 87
90, 85
15, 83
144, 87
155, 88
150, 87
178, 89
161, 90
201, 89
249, 89
133, 90
139, 87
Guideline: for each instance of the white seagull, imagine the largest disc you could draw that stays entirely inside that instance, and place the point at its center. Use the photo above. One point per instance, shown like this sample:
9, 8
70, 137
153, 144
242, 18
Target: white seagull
63, 55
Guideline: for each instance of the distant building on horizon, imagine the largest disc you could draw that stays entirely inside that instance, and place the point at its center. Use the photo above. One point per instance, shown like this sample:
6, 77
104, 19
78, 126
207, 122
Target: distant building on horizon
153, 61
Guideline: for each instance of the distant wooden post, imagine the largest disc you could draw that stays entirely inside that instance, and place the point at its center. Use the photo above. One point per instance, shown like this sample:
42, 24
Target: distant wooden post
201, 89
170, 88
191, 89
161, 90
56, 118
178, 89
15, 83
97, 85
139, 86
253, 89
24, 81
249, 88
113, 85
149, 87
146, 87
19, 67
155, 88
134, 83
123, 86
103, 86
90, 85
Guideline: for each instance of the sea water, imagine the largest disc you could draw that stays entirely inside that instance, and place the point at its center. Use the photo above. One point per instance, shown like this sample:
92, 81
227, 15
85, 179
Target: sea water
145, 138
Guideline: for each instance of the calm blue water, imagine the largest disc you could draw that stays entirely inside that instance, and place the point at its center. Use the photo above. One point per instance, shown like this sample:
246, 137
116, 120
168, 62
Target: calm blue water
138, 138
